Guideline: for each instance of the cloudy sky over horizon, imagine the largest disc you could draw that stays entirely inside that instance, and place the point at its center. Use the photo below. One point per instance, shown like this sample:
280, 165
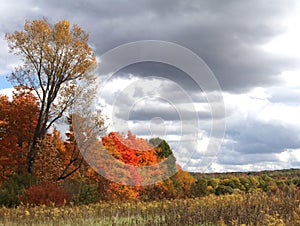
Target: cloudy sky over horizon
252, 48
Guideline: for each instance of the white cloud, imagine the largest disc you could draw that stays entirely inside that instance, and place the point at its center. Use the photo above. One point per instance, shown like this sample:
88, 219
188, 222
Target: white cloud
8, 62
289, 156
291, 78
287, 43
8, 92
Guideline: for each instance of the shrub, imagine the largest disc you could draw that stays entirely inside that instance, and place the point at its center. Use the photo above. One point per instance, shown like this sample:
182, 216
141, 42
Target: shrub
13, 187
296, 181
222, 190
88, 194
199, 188
44, 193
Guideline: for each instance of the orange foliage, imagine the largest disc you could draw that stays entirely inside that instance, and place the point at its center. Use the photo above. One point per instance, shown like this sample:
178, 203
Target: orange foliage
18, 119
184, 180
59, 159
49, 161
132, 151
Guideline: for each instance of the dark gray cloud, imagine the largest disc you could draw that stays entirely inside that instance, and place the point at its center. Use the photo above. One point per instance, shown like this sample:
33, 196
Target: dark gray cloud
256, 137
167, 113
227, 36
236, 161
164, 71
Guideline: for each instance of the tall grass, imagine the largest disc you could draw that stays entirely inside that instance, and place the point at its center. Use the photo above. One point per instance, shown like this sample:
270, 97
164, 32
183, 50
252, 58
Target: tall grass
256, 208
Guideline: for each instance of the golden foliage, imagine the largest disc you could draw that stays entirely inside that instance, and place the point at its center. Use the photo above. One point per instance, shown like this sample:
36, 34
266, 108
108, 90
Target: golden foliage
49, 159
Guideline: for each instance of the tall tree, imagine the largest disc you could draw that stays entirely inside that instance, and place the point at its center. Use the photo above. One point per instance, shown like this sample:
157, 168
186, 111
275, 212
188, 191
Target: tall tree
57, 63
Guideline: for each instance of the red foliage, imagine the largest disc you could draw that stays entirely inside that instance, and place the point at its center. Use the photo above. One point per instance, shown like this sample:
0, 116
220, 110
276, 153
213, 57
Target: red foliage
18, 119
130, 150
134, 152
45, 194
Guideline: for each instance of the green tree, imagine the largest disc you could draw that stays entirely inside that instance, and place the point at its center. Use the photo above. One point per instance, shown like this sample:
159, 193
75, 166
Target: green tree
12, 188
254, 181
213, 182
57, 63
163, 151
199, 188
246, 183
222, 190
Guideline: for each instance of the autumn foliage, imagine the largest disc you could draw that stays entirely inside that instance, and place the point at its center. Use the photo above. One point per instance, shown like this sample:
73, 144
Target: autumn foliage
58, 159
133, 151
51, 152
138, 152
130, 150
55, 57
54, 158
18, 118
44, 194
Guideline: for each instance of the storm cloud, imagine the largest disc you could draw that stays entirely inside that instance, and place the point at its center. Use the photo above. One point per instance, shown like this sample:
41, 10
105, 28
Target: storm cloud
227, 36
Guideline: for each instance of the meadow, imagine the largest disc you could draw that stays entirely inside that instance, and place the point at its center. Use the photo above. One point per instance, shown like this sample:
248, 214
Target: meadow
256, 208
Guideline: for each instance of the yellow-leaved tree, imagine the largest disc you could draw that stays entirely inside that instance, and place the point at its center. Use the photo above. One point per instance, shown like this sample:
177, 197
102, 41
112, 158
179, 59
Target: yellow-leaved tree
58, 64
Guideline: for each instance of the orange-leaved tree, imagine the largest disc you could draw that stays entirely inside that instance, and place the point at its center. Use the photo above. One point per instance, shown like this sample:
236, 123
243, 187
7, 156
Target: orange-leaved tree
18, 120
134, 152
49, 161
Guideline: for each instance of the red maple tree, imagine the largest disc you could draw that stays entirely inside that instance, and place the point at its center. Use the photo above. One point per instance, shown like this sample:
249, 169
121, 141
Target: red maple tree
18, 119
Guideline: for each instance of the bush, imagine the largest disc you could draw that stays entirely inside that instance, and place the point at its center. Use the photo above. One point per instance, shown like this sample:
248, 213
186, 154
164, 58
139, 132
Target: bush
45, 193
222, 190
13, 187
296, 181
88, 194
199, 188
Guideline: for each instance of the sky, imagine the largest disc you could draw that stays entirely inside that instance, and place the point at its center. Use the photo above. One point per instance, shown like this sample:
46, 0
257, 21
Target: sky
251, 47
